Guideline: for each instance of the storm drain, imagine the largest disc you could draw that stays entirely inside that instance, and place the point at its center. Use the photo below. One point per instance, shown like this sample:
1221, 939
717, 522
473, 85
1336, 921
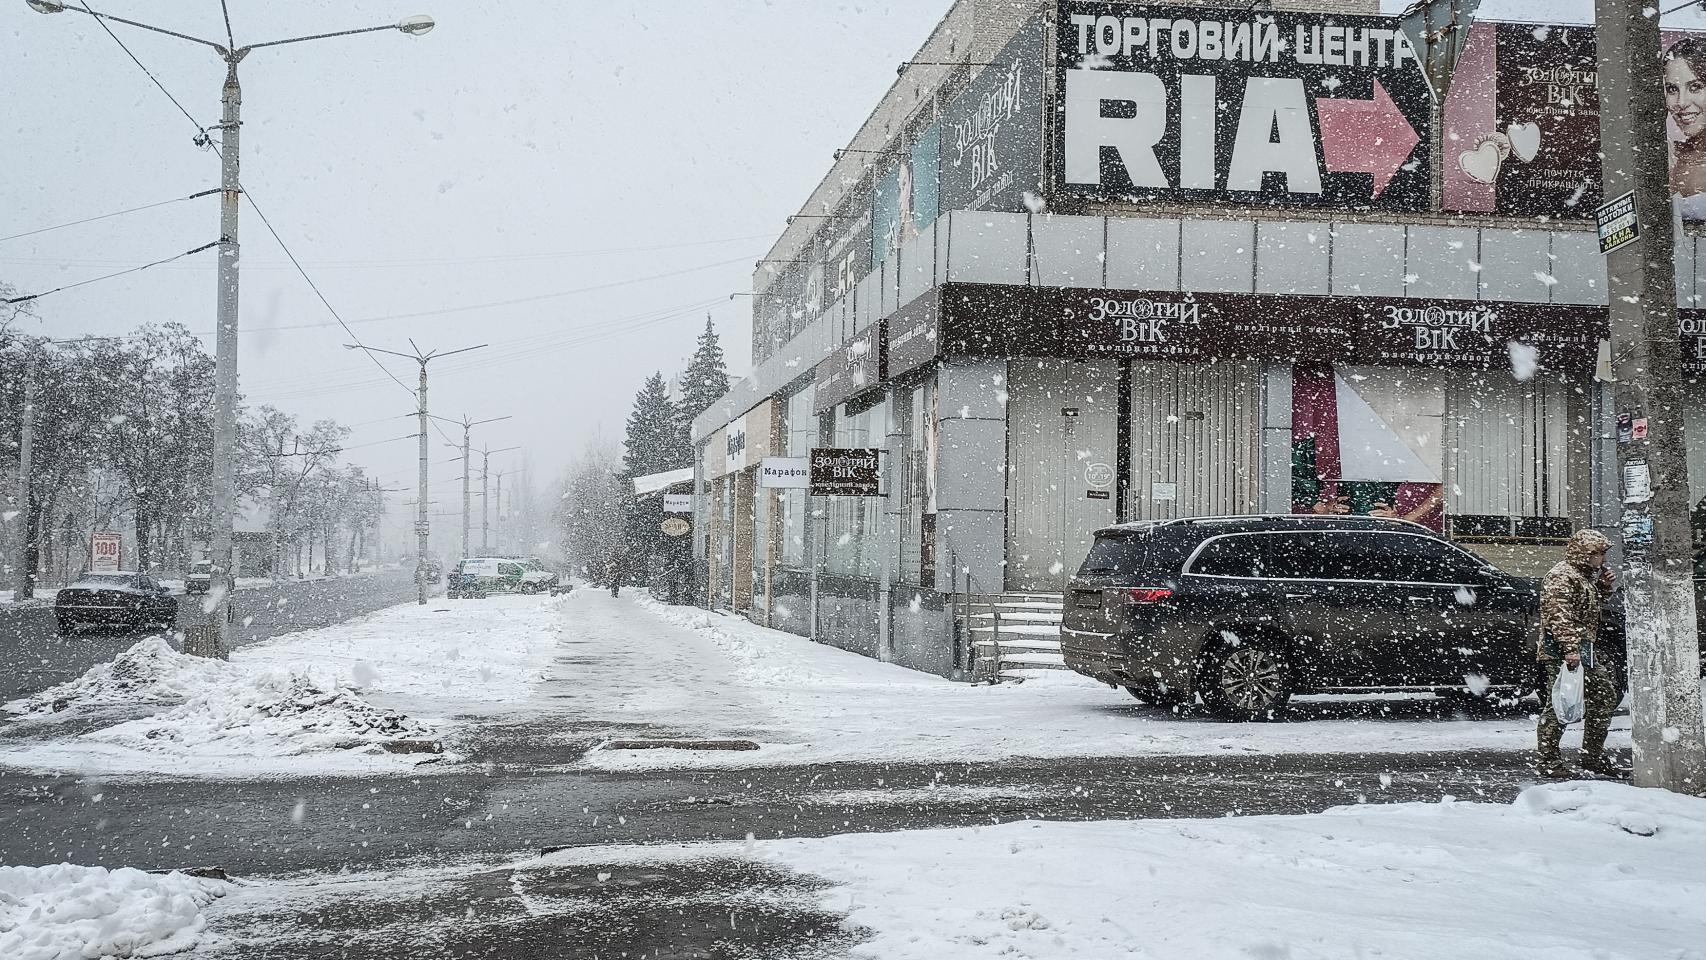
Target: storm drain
680, 745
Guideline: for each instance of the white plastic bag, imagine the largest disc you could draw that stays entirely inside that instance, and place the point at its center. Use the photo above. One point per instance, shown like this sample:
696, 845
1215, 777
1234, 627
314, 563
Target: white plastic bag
1569, 696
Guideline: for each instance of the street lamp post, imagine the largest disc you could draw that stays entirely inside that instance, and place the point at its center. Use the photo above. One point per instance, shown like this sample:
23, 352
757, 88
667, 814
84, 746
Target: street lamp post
485, 512
213, 638
467, 425
422, 527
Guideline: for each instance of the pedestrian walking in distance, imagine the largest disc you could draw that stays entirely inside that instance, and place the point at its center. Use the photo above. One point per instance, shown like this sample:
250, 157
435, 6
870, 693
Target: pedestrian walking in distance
613, 570
1571, 600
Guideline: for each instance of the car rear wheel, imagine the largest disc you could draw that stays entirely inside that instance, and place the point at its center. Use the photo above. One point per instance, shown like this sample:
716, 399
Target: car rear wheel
67, 626
1246, 679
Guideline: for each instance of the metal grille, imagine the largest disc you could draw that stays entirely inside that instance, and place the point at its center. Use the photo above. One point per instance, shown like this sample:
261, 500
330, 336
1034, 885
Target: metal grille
1195, 431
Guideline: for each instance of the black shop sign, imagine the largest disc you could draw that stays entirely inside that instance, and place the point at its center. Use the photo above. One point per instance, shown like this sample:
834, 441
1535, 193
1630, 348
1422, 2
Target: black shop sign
846, 472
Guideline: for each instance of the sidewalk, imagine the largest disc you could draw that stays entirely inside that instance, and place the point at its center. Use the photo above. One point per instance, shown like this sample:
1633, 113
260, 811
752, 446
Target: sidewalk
644, 669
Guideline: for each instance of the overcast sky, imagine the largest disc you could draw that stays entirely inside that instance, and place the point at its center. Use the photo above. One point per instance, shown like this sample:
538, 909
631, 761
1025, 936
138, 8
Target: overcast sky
620, 164
524, 148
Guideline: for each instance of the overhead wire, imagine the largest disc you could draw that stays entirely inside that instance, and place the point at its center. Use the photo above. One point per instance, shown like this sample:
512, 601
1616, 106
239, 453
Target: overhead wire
527, 347
104, 216
187, 115
83, 283
405, 262
316, 288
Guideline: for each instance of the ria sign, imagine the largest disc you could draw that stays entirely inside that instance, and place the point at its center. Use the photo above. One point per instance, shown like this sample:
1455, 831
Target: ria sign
1285, 109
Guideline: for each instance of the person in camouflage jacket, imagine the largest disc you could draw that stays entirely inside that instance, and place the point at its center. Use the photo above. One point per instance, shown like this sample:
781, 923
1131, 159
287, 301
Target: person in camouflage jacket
1572, 597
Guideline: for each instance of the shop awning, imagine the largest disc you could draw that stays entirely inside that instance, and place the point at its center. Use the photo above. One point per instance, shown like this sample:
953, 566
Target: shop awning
656, 482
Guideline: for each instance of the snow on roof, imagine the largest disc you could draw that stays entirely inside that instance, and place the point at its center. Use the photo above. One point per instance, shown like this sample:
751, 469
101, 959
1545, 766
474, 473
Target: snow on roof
655, 482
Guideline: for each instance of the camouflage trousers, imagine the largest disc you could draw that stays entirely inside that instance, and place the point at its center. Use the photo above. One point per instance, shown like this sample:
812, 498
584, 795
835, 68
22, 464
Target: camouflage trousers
1603, 695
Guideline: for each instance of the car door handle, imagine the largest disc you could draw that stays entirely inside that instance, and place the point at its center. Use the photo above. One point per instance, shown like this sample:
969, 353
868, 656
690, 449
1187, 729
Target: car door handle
1297, 596
1421, 599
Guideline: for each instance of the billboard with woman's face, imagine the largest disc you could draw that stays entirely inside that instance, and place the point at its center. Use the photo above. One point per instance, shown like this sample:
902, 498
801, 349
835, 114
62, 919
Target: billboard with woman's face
1685, 106
1521, 131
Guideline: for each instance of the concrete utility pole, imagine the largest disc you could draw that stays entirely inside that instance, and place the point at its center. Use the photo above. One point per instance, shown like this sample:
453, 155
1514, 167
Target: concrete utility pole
498, 509
24, 564
485, 513
422, 526
212, 638
1664, 659
467, 426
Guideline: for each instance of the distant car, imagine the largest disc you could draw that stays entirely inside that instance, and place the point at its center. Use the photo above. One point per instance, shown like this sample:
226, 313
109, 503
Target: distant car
478, 576
114, 599
538, 578
1244, 612
465, 582
200, 577
434, 570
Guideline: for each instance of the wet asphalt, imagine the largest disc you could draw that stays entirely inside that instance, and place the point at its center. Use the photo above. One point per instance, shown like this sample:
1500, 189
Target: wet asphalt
304, 850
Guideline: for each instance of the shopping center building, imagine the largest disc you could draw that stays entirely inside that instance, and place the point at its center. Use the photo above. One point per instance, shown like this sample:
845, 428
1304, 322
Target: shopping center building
1092, 262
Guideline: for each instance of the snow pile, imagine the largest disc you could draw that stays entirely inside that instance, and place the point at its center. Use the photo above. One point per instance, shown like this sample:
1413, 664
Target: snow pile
1531, 879
320, 701
61, 912
645, 669
265, 715
215, 708
151, 672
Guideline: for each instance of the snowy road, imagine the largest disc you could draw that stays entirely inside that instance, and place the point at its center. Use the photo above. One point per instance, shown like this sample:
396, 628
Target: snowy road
800, 848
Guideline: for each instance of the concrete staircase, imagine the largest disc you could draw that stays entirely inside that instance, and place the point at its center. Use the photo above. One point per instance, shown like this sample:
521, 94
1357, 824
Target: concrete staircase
1012, 632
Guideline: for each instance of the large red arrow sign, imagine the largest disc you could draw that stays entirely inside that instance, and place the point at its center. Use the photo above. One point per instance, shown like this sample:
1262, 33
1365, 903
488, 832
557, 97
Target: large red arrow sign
1366, 136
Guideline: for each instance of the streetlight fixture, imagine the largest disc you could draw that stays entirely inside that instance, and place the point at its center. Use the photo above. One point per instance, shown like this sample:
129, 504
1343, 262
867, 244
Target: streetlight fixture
212, 638
422, 527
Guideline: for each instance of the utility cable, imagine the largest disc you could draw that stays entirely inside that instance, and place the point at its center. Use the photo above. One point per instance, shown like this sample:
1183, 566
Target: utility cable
316, 288
202, 138
375, 443
81, 283
107, 216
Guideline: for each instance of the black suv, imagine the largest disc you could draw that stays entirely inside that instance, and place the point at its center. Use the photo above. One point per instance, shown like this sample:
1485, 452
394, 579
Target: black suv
1243, 612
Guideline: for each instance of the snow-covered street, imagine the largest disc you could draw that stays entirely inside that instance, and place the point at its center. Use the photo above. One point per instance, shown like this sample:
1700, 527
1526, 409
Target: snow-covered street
1568, 871
680, 671
600, 669
887, 813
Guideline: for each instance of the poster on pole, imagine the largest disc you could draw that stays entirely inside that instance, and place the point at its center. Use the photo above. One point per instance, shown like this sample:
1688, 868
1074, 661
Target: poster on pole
104, 552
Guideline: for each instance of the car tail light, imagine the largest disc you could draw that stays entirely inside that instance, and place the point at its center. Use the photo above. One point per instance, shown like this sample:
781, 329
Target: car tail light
1149, 594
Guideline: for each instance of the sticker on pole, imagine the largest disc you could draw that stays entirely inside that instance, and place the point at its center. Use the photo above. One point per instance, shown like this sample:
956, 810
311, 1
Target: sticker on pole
1637, 482
104, 549
1617, 223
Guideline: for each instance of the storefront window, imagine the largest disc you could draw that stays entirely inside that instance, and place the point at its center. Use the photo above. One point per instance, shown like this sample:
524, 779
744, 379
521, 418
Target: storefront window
913, 408
854, 542
1479, 454
800, 430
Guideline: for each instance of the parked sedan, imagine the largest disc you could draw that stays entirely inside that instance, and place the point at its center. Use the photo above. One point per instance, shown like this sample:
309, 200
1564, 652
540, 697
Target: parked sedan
114, 599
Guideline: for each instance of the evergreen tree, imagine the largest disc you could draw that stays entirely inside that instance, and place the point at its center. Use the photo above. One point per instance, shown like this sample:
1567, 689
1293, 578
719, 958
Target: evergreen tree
654, 441
707, 376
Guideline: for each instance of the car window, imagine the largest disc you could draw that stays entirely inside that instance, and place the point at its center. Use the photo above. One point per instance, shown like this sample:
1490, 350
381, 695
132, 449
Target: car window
1291, 556
1237, 556
1407, 558
509, 570
1115, 553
